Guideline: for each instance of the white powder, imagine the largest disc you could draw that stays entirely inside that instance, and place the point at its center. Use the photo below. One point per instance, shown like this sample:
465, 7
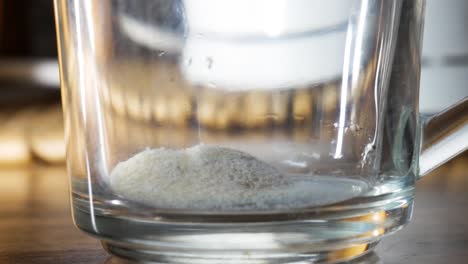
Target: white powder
211, 178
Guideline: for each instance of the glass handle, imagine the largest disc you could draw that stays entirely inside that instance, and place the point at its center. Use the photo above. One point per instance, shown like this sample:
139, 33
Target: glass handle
444, 136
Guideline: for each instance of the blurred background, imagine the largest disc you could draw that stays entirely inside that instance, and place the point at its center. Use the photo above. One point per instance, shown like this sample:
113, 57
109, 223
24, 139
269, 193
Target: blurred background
30, 112
444, 75
30, 116
32, 149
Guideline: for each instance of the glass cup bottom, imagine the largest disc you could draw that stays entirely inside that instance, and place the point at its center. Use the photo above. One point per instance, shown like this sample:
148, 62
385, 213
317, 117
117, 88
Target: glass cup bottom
325, 234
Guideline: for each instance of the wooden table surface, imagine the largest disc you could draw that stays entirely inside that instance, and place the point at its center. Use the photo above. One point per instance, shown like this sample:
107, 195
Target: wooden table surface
36, 227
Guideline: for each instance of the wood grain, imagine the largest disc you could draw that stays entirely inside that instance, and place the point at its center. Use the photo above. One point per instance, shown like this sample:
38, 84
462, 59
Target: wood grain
36, 227
439, 230
35, 222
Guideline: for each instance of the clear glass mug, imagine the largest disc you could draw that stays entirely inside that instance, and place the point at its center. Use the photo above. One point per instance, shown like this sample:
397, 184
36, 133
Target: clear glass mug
246, 131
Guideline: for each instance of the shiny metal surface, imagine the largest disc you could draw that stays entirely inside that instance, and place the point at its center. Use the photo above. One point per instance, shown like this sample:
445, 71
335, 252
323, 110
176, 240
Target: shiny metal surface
445, 135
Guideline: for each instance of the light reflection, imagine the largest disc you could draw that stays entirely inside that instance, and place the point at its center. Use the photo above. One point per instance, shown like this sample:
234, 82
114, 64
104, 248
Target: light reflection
116, 202
369, 258
274, 20
344, 91
81, 60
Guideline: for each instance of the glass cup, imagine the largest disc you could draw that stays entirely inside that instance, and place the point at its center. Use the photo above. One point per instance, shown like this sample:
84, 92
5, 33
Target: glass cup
246, 131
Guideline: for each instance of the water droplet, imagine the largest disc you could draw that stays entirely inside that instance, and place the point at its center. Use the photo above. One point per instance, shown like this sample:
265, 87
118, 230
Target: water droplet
209, 62
355, 127
189, 61
368, 150
162, 53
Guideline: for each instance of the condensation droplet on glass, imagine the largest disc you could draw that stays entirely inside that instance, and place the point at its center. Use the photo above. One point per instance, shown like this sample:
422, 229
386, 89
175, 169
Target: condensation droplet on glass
355, 128
162, 53
189, 61
368, 150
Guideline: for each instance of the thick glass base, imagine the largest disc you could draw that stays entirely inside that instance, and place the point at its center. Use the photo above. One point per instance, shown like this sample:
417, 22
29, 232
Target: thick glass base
159, 255
329, 234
